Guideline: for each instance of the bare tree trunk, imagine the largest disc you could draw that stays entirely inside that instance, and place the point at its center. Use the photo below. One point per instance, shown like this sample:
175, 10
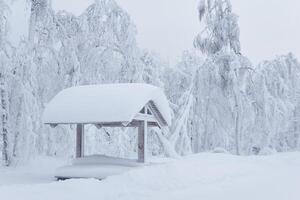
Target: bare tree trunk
17, 132
237, 126
32, 21
205, 140
4, 120
295, 127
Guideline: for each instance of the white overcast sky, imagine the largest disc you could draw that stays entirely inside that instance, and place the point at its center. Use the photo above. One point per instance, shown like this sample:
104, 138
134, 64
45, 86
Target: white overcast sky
268, 27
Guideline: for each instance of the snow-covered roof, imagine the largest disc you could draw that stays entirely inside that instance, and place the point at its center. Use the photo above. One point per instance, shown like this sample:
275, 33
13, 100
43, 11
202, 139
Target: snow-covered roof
105, 103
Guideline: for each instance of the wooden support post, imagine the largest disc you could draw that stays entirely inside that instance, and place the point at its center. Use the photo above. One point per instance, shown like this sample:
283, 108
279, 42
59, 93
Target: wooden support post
145, 140
142, 141
80, 141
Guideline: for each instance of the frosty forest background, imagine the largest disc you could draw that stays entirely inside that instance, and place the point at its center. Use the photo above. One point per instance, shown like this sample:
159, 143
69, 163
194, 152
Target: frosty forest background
219, 98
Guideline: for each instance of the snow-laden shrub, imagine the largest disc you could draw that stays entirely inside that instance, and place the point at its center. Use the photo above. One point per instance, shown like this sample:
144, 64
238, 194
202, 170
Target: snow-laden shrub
255, 150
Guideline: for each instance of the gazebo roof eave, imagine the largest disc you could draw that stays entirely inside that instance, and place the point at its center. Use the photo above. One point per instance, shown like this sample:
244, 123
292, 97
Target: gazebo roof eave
133, 123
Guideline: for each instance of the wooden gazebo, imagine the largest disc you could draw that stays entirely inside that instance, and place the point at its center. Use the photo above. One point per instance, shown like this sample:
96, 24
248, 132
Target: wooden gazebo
110, 105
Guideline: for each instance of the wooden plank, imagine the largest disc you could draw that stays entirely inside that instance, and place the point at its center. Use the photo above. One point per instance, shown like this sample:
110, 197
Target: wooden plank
155, 111
152, 124
134, 123
143, 117
145, 139
79, 141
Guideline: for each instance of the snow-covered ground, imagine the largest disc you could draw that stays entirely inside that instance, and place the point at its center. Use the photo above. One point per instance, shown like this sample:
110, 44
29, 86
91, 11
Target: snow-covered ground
36, 171
204, 176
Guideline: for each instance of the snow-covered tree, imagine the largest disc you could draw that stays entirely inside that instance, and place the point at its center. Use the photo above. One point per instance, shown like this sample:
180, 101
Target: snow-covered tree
221, 82
182, 101
5, 54
4, 111
277, 93
217, 96
221, 30
108, 47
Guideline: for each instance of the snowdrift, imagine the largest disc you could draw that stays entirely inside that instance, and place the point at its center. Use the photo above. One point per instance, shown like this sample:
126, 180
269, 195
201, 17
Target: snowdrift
96, 166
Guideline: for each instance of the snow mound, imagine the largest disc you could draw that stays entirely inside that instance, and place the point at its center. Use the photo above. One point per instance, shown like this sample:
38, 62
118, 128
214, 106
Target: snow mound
204, 176
105, 160
220, 150
96, 166
34, 171
104, 103
90, 171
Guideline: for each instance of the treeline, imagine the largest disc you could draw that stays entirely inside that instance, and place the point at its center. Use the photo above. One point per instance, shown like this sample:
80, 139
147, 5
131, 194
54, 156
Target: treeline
235, 105
218, 97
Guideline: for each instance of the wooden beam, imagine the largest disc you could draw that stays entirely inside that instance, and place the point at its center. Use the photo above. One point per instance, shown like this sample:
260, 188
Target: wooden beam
79, 141
134, 123
141, 143
155, 111
98, 126
53, 125
145, 139
144, 116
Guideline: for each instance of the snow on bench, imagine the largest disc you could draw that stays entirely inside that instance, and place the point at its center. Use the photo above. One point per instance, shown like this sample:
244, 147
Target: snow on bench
96, 166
